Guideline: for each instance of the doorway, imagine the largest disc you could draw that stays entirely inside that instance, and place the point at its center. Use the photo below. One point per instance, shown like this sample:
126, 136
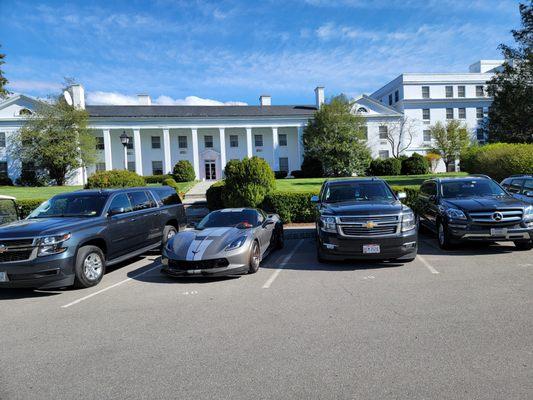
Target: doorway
210, 170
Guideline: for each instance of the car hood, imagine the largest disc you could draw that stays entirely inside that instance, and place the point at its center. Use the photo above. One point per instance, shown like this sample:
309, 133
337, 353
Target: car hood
362, 208
484, 203
204, 244
39, 227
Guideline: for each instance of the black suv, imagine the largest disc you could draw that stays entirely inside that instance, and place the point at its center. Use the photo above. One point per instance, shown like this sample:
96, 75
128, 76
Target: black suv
474, 208
362, 218
520, 187
71, 238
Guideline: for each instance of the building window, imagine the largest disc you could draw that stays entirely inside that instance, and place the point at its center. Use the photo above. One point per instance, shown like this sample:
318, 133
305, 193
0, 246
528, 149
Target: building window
208, 141
3, 168
362, 110
282, 139
449, 91
462, 113
383, 154
364, 132
425, 114
131, 166
460, 91
25, 111
156, 142
258, 139
390, 99
480, 91
383, 132
100, 166
284, 164
427, 135
182, 142
425, 92
2, 139
233, 141
479, 112
130, 143
396, 96
449, 113
100, 143
480, 135
157, 167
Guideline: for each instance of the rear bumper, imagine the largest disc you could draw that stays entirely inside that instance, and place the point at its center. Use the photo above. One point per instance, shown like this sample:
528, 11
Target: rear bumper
396, 247
40, 273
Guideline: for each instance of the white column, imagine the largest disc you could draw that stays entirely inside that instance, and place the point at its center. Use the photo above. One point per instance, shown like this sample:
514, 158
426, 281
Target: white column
195, 161
107, 150
166, 152
275, 160
249, 152
222, 133
300, 146
137, 147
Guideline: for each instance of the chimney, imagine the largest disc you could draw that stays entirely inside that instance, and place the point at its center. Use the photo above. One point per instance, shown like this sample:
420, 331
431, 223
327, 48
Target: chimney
319, 96
144, 99
78, 96
265, 100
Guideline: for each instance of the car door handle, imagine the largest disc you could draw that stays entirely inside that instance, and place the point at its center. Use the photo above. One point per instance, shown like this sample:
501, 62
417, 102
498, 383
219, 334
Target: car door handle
133, 219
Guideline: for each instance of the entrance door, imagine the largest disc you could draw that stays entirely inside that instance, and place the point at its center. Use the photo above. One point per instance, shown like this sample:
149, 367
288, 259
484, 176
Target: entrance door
210, 170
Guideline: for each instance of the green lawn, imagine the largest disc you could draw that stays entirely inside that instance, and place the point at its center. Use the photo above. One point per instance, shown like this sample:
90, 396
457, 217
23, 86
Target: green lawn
27, 193
313, 184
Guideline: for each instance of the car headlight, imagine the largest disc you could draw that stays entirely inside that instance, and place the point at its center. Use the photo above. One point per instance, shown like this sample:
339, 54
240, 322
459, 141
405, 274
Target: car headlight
52, 244
328, 224
236, 243
454, 213
408, 221
528, 213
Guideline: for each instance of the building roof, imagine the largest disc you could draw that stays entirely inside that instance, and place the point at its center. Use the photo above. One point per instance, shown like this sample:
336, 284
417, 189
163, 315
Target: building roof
138, 111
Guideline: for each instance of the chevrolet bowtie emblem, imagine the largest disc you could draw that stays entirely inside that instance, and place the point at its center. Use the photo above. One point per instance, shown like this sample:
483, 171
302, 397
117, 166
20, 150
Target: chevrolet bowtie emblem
370, 224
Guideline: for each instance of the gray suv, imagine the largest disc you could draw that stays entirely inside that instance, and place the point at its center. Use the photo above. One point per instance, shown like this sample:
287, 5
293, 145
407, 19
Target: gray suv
71, 238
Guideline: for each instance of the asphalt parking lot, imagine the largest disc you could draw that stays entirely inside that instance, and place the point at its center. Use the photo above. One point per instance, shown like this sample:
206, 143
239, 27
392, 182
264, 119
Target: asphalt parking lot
450, 325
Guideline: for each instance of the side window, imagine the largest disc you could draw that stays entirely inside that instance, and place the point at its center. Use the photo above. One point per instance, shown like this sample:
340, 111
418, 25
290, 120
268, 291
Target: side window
516, 185
528, 186
121, 201
140, 200
167, 197
428, 189
260, 218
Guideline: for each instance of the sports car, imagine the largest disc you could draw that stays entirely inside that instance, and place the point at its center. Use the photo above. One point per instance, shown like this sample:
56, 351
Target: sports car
232, 241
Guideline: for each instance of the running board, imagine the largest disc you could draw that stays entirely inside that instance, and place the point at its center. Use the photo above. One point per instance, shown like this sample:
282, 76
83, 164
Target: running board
134, 254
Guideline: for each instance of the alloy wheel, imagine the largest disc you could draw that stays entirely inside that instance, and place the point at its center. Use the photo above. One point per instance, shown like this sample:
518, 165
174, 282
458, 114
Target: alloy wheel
92, 266
255, 256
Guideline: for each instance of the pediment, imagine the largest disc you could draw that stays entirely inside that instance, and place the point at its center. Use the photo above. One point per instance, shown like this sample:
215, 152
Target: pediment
18, 106
366, 106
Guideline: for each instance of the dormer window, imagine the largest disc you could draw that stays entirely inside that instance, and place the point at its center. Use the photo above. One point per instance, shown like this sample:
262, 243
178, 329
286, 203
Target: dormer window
362, 110
24, 112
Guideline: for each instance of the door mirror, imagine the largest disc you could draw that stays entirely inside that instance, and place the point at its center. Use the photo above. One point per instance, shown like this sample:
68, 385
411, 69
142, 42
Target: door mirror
402, 195
115, 211
314, 199
267, 222
529, 193
432, 198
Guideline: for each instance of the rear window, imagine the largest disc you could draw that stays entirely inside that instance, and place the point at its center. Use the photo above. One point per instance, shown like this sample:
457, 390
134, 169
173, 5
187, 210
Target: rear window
167, 197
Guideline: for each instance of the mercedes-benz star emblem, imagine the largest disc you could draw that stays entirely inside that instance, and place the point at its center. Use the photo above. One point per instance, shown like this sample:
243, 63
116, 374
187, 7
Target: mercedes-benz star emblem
497, 216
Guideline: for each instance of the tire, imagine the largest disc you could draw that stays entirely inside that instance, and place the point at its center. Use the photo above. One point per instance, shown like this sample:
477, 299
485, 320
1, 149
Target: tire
443, 236
255, 258
524, 244
280, 242
90, 267
168, 232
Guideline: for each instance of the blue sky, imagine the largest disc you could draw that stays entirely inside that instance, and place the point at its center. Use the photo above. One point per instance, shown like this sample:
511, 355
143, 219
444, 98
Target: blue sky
233, 51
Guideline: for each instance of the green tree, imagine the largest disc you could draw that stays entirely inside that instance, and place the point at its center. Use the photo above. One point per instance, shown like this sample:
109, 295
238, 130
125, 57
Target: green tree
450, 140
56, 140
3, 81
335, 136
510, 115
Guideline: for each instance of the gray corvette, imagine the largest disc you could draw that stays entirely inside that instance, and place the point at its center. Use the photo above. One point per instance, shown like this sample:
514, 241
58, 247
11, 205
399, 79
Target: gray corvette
231, 241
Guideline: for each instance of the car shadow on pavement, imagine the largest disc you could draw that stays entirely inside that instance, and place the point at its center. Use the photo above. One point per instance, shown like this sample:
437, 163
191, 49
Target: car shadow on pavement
427, 245
346, 265
22, 293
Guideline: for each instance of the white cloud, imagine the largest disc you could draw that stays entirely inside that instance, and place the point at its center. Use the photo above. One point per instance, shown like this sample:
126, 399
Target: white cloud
113, 98
34, 86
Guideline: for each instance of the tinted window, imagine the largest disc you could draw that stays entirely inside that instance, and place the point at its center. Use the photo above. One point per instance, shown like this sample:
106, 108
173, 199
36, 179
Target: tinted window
471, 188
218, 219
140, 200
528, 186
167, 196
78, 205
121, 201
428, 189
516, 185
357, 191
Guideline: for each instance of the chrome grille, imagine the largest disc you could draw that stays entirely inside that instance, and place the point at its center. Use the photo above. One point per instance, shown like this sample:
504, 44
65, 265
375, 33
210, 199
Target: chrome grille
368, 225
16, 242
364, 219
12, 250
362, 231
497, 216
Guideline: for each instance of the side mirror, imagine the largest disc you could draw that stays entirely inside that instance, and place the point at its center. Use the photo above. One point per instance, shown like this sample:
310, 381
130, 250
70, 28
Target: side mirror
529, 193
267, 222
432, 198
402, 195
115, 211
314, 199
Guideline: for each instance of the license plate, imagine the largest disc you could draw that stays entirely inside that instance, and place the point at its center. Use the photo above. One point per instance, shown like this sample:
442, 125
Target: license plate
371, 249
3, 277
498, 231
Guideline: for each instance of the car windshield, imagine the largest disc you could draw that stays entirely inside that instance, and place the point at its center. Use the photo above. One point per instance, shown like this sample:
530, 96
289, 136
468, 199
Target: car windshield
8, 211
358, 191
471, 188
70, 206
223, 218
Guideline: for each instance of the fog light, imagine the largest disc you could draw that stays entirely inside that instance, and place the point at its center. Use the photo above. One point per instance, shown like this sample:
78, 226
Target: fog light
329, 246
409, 245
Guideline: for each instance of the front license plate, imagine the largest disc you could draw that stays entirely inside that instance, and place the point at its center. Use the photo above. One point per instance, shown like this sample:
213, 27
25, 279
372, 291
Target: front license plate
371, 249
3, 277
498, 231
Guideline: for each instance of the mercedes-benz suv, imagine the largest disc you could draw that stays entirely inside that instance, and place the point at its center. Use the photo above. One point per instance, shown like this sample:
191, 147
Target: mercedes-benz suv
362, 218
474, 208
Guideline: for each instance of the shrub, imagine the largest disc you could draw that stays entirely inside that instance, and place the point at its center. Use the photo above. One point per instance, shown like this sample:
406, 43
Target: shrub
415, 165
183, 171
247, 182
412, 196
291, 207
387, 166
114, 179
498, 160
156, 178
312, 168
5, 181
172, 183
31, 178
297, 173
27, 206
280, 174
214, 196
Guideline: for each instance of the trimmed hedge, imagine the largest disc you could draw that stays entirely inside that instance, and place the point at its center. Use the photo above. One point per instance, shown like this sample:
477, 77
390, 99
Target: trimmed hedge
415, 165
280, 174
156, 178
27, 206
291, 207
114, 179
183, 171
387, 166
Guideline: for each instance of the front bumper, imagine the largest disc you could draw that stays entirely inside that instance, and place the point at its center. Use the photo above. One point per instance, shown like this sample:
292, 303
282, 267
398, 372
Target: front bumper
216, 267
397, 247
489, 233
40, 273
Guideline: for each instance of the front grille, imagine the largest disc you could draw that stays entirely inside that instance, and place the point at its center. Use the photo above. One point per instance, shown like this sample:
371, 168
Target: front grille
15, 255
16, 242
497, 216
384, 219
363, 231
200, 264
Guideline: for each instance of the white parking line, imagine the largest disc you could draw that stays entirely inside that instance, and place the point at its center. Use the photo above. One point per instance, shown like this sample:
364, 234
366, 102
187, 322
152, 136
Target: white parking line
110, 287
427, 264
284, 261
